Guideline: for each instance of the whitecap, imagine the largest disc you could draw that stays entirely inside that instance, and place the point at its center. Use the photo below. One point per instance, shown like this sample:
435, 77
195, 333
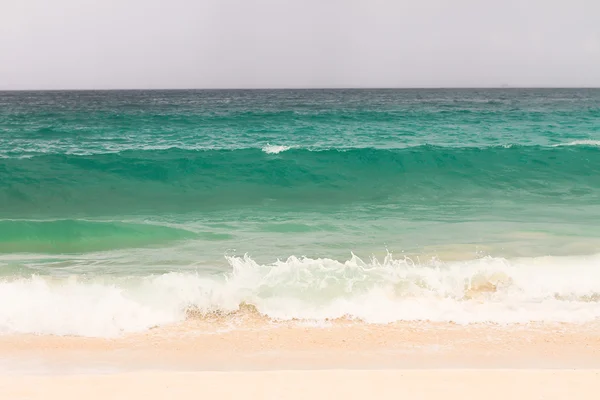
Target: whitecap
272, 149
586, 142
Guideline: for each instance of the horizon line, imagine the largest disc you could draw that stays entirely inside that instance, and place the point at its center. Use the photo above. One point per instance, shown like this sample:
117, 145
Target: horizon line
304, 88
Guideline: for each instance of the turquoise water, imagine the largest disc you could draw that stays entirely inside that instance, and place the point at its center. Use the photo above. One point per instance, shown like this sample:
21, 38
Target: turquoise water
354, 191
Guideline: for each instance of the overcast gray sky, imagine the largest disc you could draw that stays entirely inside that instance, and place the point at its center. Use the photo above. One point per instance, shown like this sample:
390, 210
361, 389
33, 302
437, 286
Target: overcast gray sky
106, 44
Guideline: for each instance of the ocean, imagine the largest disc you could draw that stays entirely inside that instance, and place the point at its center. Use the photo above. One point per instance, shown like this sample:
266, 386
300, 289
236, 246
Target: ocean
121, 211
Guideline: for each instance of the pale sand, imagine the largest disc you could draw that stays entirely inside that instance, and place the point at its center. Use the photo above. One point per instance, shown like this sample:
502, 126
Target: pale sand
289, 361
215, 345
323, 384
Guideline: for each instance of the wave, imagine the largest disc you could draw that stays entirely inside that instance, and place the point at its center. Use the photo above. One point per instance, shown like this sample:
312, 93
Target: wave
586, 142
272, 149
490, 289
32, 150
182, 180
78, 236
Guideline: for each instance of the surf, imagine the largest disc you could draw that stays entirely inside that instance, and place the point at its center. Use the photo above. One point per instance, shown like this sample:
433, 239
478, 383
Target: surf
484, 290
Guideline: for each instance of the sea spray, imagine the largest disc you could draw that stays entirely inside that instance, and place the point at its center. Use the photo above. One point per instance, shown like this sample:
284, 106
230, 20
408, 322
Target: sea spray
489, 290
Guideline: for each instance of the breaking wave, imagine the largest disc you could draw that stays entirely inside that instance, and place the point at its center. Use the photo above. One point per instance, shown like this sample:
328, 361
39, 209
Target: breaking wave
271, 149
496, 290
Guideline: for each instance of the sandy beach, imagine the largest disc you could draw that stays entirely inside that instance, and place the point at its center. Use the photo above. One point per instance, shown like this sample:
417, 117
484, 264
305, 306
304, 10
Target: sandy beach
254, 343
294, 361
314, 384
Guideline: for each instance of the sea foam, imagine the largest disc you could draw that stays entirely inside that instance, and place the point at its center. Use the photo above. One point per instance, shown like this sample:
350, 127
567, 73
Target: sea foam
497, 290
272, 149
586, 142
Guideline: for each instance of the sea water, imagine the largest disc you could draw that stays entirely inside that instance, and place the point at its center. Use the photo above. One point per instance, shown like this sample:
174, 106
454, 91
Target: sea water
123, 210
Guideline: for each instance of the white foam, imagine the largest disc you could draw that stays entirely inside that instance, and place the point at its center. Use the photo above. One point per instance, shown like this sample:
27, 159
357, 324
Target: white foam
553, 289
272, 149
586, 142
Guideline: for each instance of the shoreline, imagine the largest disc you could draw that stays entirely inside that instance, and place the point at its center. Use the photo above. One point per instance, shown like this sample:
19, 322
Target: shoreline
204, 345
346, 360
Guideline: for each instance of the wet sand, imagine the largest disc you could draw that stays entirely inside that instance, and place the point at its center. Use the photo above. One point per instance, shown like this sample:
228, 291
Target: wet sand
293, 360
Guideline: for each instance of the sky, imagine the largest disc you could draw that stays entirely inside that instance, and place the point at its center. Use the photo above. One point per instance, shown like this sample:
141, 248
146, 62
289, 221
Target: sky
154, 44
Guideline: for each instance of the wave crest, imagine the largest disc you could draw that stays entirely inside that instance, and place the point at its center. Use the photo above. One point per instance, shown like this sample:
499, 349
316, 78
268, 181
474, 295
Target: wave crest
272, 149
483, 290
586, 142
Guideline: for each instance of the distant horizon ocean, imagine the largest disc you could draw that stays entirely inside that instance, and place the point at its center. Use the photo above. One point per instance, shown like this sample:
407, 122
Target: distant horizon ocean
125, 210
292, 88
